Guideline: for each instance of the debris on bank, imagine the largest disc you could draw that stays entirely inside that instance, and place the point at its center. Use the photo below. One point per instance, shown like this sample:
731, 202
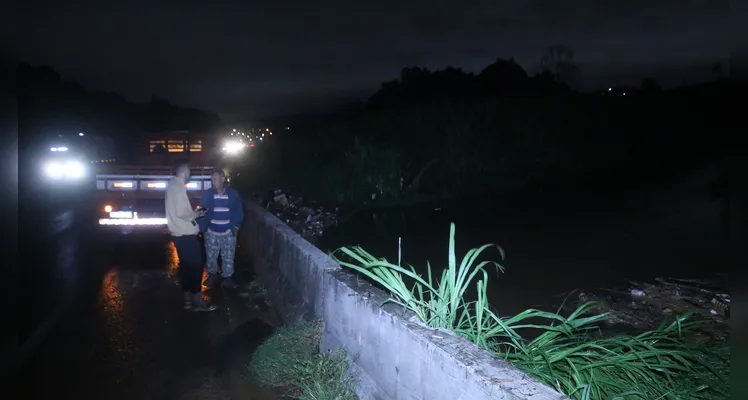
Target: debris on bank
307, 218
644, 305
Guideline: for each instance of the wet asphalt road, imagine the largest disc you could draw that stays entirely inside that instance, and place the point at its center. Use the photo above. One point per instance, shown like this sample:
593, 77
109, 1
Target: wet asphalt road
121, 332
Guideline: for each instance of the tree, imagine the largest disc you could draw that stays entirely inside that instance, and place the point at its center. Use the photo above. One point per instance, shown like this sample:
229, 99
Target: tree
650, 86
560, 61
504, 77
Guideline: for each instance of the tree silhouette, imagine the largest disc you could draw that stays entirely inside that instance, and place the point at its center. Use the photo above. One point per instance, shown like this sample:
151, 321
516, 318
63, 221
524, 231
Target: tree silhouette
559, 60
504, 76
48, 103
650, 86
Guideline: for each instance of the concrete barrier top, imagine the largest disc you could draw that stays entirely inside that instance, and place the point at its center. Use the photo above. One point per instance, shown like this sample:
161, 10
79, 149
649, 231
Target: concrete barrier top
395, 355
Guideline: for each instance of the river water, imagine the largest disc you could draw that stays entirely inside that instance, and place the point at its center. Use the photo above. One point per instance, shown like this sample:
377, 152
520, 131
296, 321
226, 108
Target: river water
560, 240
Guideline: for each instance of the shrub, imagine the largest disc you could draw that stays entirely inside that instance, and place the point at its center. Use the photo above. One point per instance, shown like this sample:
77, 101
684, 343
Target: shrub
568, 353
290, 358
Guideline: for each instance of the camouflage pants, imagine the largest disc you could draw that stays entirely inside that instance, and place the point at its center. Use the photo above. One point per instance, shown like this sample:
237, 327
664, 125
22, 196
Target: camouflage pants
225, 245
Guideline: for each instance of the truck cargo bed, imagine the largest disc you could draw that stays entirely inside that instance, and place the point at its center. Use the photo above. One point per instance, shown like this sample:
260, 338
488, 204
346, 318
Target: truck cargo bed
134, 195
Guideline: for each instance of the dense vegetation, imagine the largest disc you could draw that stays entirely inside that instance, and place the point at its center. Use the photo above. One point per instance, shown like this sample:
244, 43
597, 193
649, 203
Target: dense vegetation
569, 353
437, 133
291, 359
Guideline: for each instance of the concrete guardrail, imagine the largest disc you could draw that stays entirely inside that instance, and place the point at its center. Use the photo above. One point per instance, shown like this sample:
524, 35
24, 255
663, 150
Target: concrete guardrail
396, 356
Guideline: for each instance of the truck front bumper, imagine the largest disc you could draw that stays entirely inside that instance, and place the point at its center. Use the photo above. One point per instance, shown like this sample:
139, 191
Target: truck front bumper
132, 212
133, 221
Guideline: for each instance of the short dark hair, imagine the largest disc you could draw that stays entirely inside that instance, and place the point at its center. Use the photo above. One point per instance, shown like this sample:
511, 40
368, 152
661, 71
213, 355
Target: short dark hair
181, 165
219, 172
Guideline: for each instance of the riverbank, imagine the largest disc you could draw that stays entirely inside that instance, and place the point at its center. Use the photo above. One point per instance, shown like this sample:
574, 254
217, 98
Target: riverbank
628, 259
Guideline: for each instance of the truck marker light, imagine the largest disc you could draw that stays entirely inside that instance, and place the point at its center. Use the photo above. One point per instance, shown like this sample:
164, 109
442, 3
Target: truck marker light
133, 222
156, 185
123, 184
107, 208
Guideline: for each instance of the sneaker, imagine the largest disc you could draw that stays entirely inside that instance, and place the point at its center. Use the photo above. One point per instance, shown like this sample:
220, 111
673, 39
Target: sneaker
187, 300
211, 280
199, 304
229, 283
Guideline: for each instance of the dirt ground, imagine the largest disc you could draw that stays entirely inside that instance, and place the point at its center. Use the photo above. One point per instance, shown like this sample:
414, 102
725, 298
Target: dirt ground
645, 305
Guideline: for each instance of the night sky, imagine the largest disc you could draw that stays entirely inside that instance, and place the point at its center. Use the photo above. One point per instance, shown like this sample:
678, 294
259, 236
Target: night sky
259, 58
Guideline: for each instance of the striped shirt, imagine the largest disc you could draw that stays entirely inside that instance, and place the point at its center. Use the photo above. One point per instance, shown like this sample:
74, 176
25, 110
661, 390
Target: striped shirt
220, 224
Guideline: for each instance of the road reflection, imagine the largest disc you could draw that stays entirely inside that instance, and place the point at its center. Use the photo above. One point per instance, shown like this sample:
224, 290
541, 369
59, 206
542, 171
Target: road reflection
172, 261
111, 295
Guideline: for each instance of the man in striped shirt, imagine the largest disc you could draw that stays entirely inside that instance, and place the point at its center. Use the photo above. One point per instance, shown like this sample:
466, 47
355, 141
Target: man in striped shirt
219, 226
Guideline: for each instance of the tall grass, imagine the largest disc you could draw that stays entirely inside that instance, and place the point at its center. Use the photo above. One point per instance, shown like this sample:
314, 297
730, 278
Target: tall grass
567, 353
290, 359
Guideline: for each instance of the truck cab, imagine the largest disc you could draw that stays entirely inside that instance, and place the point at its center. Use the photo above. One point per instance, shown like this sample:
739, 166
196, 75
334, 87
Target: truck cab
134, 194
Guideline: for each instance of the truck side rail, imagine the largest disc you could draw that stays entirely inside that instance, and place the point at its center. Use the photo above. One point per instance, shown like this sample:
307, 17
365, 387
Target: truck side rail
149, 179
149, 170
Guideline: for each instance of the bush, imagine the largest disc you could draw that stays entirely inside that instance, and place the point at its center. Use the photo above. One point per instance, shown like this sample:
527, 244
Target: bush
325, 377
290, 359
568, 353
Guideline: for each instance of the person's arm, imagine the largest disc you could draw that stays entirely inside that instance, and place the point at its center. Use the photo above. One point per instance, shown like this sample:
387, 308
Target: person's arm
239, 213
206, 203
206, 199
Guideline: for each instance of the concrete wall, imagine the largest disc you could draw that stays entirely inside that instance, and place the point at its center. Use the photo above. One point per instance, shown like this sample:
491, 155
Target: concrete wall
396, 356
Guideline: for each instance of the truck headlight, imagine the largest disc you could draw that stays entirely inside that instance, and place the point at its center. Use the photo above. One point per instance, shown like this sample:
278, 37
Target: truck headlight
70, 170
54, 170
74, 169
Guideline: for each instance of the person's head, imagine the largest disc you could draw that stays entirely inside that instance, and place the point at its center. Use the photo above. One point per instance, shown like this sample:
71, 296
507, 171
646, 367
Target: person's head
183, 171
218, 178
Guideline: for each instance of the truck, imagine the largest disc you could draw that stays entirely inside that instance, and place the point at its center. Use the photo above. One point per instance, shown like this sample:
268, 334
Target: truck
134, 194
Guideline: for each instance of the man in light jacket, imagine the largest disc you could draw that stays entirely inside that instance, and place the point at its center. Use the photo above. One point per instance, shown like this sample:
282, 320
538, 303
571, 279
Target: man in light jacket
181, 221
224, 216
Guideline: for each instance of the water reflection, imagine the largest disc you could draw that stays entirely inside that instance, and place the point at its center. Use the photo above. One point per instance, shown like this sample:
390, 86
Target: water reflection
172, 260
118, 330
111, 295
550, 249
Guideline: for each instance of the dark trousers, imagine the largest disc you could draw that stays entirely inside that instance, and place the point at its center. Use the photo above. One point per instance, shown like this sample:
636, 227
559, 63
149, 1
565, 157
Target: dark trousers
190, 255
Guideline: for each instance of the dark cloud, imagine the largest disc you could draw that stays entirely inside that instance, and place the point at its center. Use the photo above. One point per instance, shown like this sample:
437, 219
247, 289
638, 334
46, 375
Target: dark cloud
279, 57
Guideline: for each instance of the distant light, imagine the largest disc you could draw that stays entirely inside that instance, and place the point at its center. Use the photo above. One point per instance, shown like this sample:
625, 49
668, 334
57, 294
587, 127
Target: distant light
263, 135
62, 149
610, 89
53, 149
267, 129
80, 134
234, 130
624, 93
261, 138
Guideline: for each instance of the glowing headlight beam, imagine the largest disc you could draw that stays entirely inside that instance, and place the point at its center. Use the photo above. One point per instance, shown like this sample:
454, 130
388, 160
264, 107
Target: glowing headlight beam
233, 147
54, 170
70, 169
74, 169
